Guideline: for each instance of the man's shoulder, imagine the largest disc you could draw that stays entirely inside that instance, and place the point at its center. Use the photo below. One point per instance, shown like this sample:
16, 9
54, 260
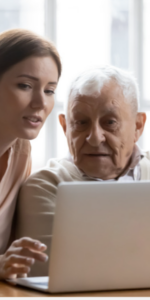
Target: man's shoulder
63, 164
145, 165
147, 154
56, 171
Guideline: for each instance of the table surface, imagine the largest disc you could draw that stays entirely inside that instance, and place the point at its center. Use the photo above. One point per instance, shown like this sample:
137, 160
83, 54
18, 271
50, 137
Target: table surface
7, 290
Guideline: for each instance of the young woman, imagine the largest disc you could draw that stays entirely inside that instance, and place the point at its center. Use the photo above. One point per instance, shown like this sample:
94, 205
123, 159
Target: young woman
29, 71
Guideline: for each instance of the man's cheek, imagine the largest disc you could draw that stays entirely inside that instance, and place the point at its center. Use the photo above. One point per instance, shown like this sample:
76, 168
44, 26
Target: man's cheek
72, 146
117, 147
69, 141
76, 149
117, 156
120, 155
113, 142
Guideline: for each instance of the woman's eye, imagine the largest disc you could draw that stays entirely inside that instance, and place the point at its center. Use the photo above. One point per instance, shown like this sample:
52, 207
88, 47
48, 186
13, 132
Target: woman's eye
24, 86
49, 92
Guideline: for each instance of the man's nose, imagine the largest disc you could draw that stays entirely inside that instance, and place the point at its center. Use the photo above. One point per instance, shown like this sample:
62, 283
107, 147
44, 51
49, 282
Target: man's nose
38, 100
96, 136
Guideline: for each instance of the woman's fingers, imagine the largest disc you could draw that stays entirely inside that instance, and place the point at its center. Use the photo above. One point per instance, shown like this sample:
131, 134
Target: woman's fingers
20, 256
26, 242
27, 253
22, 275
20, 260
16, 270
29, 248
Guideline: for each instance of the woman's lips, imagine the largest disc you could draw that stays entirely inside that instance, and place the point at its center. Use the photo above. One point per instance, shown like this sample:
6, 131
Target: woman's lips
33, 121
33, 118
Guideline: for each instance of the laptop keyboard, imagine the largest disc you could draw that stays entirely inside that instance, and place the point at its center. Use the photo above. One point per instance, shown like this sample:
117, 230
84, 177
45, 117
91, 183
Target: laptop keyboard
41, 283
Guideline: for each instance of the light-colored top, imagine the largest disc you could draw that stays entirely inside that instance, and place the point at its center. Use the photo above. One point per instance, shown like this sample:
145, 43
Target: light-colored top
36, 202
145, 166
18, 169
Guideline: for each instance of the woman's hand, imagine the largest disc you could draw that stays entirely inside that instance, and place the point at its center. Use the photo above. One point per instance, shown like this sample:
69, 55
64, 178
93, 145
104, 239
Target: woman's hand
20, 256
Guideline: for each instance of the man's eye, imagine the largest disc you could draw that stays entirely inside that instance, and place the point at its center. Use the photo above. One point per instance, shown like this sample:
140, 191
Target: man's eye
111, 122
24, 86
49, 92
80, 125
81, 122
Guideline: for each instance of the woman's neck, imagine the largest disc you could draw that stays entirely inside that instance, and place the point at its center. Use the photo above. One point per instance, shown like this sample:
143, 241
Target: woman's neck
3, 164
5, 144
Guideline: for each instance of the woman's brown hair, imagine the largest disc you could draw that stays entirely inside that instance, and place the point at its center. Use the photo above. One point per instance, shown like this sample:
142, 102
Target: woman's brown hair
18, 44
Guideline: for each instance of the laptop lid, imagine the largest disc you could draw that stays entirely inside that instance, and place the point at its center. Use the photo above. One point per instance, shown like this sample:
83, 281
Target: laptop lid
101, 237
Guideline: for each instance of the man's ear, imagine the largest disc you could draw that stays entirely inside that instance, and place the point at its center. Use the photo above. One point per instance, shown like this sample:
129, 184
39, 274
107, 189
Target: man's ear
62, 121
140, 123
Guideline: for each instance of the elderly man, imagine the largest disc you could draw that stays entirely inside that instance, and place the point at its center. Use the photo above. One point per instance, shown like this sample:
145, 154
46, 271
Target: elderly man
102, 125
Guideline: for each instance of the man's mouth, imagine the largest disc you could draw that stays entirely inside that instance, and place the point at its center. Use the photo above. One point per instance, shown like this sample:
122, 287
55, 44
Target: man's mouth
97, 154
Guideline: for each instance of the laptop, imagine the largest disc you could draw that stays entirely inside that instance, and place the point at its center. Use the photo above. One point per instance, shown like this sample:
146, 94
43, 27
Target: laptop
101, 238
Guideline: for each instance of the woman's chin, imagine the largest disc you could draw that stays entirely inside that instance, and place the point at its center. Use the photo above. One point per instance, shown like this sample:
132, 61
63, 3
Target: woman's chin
29, 135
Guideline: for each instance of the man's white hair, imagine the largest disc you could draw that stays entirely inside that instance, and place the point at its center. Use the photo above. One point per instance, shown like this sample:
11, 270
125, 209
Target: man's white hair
91, 82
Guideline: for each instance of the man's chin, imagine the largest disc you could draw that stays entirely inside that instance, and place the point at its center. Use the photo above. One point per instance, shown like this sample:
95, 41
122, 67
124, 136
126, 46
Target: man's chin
99, 175
97, 169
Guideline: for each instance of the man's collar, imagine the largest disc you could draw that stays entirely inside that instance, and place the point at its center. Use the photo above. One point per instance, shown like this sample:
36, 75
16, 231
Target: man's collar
135, 157
134, 160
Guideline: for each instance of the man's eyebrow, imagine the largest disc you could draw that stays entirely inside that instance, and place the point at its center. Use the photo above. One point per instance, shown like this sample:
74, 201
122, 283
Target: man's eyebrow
111, 112
111, 109
35, 78
78, 112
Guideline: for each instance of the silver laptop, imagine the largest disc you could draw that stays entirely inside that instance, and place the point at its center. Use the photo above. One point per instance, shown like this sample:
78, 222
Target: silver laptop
101, 238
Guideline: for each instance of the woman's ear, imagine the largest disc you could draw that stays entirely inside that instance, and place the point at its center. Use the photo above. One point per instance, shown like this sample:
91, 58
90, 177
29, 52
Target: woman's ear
62, 121
140, 123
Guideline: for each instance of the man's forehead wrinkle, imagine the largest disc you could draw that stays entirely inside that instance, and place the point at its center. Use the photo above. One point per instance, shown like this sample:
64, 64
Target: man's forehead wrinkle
106, 101
88, 102
102, 109
110, 109
114, 104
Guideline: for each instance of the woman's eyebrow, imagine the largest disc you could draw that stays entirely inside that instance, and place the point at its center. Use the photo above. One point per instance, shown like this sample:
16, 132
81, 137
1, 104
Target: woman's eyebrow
35, 78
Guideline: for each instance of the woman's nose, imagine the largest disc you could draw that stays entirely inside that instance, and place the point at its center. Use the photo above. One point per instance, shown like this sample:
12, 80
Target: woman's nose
96, 136
38, 100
